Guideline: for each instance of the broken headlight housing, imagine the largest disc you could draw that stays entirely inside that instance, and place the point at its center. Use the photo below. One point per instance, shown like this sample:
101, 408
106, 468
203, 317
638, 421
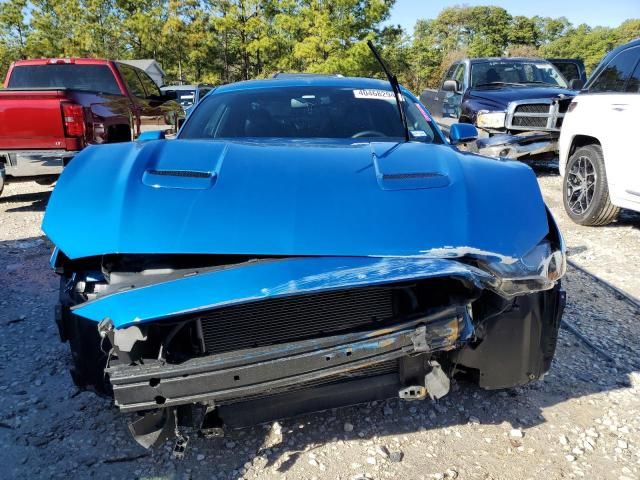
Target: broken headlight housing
538, 270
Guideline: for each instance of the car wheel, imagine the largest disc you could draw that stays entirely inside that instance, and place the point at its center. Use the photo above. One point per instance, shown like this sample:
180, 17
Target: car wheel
585, 192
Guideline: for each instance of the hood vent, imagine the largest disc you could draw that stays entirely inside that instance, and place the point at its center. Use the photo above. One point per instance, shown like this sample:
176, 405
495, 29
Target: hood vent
180, 173
181, 179
408, 176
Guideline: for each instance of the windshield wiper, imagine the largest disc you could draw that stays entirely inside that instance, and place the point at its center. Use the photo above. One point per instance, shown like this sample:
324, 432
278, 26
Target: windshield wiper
491, 84
393, 80
544, 83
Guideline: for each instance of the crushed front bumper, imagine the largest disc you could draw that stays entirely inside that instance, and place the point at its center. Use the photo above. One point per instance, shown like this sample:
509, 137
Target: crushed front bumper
526, 144
241, 375
31, 163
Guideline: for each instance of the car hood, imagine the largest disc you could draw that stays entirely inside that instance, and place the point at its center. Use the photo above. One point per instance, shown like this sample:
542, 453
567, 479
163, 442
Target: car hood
504, 94
293, 199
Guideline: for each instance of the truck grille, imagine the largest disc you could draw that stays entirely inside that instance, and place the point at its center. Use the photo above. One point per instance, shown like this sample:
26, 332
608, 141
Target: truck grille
544, 115
282, 320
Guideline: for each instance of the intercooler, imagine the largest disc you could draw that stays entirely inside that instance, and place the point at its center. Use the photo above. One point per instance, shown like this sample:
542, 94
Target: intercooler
287, 319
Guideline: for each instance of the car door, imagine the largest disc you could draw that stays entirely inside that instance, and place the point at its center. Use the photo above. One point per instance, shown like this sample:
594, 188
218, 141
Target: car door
452, 100
629, 113
138, 96
160, 114
616, 93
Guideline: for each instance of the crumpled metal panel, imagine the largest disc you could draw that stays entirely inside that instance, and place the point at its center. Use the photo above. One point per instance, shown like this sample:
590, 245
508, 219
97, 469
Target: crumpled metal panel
267, 279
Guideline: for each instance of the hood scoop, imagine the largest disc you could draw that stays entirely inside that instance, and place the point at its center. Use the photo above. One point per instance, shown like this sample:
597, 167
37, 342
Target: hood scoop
184, 179
394, 173
184, 166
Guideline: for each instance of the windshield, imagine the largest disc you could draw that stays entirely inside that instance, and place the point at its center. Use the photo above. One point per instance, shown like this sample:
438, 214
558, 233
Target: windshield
515, 72
307, 112
94, 78
186, 98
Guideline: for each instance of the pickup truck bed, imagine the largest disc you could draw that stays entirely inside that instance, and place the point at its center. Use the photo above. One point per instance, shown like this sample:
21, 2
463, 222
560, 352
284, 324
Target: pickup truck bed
53, 108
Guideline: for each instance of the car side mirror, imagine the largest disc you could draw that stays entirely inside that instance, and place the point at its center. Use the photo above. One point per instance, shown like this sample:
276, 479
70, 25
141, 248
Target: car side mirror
151, 135
451, 86
462, 133
576, 84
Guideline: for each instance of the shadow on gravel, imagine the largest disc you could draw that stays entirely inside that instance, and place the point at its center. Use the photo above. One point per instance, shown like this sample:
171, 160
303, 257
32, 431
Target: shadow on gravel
38, 201
84, 435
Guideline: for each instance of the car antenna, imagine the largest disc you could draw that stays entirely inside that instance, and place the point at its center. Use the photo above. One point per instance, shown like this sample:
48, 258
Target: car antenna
393, 80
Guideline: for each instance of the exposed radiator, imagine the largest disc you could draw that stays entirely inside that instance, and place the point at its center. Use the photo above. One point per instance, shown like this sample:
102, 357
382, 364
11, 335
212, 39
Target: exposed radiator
282, 320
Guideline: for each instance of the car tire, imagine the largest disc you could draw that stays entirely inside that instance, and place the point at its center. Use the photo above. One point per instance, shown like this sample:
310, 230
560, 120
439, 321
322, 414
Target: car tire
585, 192
89, 352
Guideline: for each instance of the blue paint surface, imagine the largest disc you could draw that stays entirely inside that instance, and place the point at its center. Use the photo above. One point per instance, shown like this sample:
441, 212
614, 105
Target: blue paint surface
292, 198
357, 206
267, 279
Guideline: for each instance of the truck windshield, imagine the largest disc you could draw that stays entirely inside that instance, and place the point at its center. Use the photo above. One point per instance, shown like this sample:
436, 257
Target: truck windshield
93, 78
489, 73
307, 112
186, 98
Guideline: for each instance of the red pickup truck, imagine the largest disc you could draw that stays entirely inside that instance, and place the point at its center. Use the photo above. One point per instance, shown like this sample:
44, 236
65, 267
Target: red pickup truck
51, 109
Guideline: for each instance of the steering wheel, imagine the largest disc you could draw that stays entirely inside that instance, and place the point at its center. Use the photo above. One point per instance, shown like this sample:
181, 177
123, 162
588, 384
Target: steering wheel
368, 133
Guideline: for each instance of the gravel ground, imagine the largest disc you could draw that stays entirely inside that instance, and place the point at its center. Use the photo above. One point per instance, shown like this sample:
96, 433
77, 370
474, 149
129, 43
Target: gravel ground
583, 420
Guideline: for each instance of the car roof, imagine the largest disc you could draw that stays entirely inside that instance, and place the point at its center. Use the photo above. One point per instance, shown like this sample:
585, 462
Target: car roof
306, 81
63, 60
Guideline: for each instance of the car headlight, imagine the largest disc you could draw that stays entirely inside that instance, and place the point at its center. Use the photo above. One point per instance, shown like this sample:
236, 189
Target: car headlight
539, 269
488, 119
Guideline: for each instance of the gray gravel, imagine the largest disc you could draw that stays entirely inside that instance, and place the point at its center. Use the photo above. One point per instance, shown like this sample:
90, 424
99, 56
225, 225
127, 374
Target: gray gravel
583, 420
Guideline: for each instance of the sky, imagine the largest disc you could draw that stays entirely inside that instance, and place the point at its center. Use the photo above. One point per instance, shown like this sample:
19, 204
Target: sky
592, 12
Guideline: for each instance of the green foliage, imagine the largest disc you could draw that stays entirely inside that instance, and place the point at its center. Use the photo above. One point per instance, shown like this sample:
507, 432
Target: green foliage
591, 44
220, 41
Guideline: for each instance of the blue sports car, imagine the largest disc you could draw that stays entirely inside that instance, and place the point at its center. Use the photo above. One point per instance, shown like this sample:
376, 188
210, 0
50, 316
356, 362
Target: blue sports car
305, 242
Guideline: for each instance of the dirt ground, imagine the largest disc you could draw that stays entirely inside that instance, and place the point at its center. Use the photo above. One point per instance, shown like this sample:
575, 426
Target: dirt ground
582, 421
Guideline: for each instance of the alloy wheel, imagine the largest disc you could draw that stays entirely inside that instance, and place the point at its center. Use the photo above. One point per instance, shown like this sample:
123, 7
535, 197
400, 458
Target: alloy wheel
581, 185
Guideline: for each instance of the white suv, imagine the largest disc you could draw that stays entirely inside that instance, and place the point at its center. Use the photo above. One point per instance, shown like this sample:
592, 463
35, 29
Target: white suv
599, 155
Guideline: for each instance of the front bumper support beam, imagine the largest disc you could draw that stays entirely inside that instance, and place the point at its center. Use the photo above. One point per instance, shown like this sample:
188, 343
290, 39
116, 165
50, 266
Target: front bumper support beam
239, 375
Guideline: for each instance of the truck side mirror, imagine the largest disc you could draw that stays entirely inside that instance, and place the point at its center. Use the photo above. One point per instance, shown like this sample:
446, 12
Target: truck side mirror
462, 133
451, 86
576, 84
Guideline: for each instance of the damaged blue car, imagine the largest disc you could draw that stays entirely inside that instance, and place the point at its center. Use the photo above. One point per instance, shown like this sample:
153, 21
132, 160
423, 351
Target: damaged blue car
306, 242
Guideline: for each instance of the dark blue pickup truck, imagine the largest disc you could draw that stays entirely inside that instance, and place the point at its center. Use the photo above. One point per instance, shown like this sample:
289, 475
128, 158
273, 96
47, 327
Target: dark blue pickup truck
519, 102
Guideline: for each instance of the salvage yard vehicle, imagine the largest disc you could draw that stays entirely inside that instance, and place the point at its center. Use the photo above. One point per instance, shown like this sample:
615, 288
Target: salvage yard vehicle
519, 102
571, 69
305, 243
187, 95
51, 109
598, 162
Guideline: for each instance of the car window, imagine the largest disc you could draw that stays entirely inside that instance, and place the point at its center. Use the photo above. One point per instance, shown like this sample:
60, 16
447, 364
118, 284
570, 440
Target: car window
496, 72
306, 112
451, 72
458, 75
131, 79
203, 92
149, 85
568, 70
95, 78
633, 84
614, 76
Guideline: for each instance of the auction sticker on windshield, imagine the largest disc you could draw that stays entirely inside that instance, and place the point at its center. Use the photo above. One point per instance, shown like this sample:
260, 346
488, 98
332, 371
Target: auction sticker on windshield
372, 93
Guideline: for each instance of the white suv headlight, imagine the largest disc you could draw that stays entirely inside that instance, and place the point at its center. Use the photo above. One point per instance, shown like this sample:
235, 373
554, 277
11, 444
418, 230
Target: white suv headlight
488, 119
